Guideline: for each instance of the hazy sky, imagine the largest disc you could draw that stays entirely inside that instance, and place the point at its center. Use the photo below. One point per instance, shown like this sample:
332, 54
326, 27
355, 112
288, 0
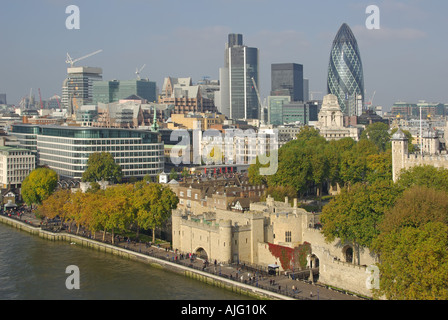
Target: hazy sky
406, 59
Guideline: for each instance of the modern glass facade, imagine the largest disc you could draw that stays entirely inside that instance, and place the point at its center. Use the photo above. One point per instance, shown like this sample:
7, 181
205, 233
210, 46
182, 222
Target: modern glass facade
242, 65
345, 72
113, 91
77, 88
287, 79
67, 149
275, 109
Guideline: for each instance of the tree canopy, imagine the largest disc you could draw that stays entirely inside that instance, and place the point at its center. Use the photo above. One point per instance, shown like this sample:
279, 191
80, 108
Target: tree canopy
39, 185
115, 209
101, 166
310, 163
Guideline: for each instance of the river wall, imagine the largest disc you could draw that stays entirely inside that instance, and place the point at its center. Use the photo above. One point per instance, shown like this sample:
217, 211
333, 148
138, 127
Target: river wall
205, 277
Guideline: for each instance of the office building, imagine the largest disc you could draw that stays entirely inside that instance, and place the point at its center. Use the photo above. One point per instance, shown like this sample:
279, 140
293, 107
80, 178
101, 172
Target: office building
66, 149
115, 90
239, 81
15, 165
186, 97
3, 98
281, 110
77, 87
345, 72
275, 109
287, 79
306, 89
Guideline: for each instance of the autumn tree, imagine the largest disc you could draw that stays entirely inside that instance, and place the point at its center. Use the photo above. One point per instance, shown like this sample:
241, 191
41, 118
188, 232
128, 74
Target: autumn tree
54, 205
39, 185
414, 263
153, 204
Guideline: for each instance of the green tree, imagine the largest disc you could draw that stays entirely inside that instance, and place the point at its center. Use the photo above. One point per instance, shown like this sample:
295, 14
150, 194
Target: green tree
39, 185
173, 174
379, 166
102, 167
426, 175
378, 133
357, 212
354, 161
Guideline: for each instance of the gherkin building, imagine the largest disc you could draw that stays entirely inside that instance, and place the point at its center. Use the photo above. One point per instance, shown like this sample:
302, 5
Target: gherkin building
345, 73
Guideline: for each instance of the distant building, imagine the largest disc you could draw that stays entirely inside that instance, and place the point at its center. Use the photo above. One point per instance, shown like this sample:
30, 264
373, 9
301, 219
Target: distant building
15, 165
239, 80
3, 98
115, 90
275, 109
77, 87
283, 111
331, 121
431, 152
287, 79
66, 149
186, 97
345, 72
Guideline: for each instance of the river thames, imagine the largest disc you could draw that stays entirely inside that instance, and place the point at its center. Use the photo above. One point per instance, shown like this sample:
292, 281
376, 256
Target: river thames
32, 268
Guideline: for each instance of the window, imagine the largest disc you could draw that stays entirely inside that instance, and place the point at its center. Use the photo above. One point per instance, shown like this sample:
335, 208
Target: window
288, 236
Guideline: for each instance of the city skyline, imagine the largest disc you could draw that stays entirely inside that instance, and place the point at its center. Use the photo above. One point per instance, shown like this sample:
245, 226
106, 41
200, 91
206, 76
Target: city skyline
403, 60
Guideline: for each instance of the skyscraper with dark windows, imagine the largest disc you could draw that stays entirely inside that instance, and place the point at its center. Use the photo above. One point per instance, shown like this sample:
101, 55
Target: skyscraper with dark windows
345, 72
287, 80
238, 98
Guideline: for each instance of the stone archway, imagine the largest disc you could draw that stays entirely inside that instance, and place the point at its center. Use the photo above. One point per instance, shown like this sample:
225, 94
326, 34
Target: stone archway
201, 253
348, 254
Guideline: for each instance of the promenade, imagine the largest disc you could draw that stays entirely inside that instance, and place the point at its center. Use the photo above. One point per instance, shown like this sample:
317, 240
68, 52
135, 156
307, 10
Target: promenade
245, 276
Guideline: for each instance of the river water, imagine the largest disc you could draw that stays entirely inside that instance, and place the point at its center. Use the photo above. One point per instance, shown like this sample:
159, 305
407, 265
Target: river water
32, 268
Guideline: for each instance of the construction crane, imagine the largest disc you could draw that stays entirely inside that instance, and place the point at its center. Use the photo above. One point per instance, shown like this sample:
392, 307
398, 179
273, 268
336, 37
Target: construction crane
371, 99
57, 100
137, 71
40, 99
71, 62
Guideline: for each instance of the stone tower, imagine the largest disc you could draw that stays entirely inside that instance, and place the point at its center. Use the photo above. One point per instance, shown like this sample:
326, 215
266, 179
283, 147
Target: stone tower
399, 153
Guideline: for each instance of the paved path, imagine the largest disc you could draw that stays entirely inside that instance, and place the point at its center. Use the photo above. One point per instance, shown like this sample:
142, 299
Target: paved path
282, 284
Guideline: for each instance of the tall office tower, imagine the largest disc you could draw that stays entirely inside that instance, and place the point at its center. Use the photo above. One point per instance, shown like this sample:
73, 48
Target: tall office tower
239, 81
77, 87
306, 89
345, 72
287, 80
3, 98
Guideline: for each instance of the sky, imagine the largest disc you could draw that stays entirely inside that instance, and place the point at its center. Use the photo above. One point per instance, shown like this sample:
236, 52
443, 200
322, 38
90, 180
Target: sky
404, 60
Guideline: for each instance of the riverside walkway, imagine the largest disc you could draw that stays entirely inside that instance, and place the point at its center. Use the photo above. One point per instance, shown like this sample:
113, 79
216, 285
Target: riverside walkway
240, 274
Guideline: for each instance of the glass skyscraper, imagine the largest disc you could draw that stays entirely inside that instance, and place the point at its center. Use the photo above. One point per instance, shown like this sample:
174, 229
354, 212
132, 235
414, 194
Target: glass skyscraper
287, 79
238, 95
345, 72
